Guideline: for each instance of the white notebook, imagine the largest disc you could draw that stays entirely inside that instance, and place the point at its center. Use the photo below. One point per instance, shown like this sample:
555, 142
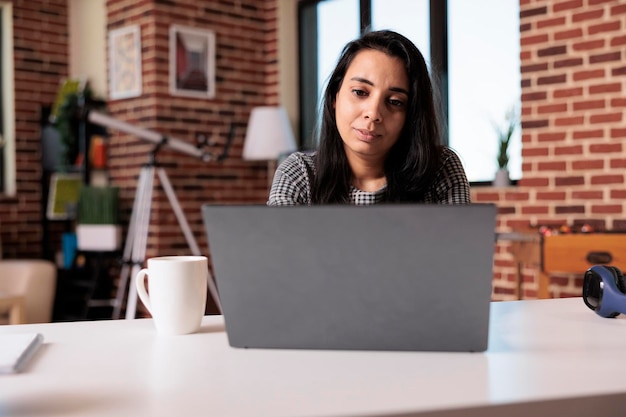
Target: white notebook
16, 350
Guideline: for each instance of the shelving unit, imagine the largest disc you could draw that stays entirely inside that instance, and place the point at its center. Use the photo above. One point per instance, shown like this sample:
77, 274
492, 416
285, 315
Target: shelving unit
84, 289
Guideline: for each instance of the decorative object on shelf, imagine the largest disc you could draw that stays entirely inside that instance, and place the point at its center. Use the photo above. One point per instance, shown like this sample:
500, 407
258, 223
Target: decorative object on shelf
192, 62
98, 152
505, 133
268, 136
64, 117
63, 196
68, 249
68, 86
125, 62
97, 226
565, 229
67, 120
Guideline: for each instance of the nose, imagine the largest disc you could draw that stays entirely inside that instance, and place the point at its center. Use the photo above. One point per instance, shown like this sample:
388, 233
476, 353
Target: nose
373, 111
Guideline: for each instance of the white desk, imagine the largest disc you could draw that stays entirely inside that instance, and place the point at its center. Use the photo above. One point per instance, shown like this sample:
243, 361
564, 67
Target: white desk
543, 357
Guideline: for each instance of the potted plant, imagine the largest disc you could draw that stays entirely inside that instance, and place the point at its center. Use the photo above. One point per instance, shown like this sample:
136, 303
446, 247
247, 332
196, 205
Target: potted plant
505, 133
97, 226
74, 97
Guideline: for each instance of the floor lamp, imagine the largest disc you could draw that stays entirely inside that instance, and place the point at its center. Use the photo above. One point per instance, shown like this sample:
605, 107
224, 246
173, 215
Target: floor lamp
268, 137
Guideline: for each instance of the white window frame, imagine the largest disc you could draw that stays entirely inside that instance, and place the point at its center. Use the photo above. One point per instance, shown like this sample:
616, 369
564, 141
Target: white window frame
8, 99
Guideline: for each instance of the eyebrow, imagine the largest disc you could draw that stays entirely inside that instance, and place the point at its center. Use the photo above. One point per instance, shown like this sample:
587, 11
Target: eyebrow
365, 81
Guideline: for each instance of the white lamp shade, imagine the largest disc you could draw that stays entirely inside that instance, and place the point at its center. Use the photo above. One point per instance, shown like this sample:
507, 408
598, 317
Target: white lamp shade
269, 134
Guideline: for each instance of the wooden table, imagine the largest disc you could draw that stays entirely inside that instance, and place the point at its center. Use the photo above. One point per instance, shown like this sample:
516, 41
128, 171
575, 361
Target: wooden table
565, 253
14, 304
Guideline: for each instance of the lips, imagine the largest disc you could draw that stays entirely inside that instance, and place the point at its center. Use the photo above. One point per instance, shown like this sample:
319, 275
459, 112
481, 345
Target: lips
366, 135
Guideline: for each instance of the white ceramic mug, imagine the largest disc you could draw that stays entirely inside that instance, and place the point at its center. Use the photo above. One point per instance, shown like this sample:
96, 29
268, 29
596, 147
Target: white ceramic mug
177, 292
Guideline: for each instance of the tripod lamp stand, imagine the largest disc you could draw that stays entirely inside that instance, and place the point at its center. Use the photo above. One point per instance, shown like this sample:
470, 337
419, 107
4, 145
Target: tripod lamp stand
137, 237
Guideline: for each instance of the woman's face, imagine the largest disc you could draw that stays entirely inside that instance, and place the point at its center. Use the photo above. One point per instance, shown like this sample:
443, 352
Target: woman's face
370, 106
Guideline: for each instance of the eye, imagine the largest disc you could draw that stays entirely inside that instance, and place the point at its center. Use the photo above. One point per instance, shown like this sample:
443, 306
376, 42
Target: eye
396, 103
360, 93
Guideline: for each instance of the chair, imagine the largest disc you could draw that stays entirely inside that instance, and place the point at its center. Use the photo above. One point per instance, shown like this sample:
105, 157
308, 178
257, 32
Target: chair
32, 282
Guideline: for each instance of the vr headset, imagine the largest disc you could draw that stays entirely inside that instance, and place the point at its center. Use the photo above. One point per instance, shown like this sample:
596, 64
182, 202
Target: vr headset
604, 290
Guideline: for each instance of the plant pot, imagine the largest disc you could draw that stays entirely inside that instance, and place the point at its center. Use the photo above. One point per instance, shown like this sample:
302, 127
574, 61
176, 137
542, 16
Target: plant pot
502, 178
99, 237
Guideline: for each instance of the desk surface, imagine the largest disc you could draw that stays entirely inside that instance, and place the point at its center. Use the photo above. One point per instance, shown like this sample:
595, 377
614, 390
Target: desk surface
547, 357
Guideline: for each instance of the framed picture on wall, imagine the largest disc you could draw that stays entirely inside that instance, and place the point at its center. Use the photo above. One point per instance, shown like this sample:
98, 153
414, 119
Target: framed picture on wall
125, 62
63, 196
192, 62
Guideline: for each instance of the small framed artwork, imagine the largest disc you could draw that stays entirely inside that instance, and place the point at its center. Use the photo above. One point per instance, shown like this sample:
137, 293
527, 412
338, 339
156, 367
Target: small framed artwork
63, 196
125, 62
192, 62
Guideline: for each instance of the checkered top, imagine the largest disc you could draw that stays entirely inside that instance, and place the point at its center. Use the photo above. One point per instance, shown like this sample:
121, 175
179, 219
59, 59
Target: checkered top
292, 183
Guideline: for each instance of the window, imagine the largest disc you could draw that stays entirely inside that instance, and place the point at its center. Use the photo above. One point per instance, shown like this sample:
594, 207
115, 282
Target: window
7, 108
322, 39
477, 89
413, 22
331, 37
484, 82
2, 175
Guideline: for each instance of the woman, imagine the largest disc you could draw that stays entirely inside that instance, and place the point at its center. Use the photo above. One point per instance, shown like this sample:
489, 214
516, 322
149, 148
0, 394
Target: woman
379, 137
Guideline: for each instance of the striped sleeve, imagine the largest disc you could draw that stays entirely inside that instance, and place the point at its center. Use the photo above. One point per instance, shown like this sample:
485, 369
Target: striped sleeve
291, 185
451, 185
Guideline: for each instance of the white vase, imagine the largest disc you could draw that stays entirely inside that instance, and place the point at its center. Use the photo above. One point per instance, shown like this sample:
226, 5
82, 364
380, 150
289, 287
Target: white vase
502, 178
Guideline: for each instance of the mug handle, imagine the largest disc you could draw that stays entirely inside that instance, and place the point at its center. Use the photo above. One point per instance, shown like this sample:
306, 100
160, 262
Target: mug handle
140, 284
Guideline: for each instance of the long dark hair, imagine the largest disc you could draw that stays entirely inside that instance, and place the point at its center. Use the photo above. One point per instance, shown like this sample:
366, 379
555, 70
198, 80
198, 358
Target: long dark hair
413, 160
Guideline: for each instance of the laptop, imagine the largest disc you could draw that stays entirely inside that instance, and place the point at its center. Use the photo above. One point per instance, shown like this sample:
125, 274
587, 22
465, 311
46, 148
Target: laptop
342, 277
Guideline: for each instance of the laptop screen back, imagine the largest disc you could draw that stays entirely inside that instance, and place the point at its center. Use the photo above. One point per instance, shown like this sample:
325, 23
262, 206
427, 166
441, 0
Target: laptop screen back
382, 277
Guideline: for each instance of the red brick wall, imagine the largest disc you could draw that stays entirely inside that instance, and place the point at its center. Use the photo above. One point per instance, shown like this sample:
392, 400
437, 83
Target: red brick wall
41, 61
573, 65
245, 76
